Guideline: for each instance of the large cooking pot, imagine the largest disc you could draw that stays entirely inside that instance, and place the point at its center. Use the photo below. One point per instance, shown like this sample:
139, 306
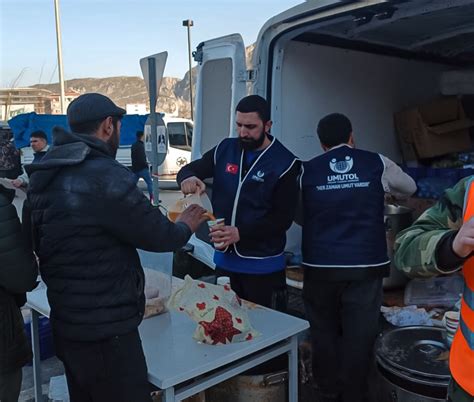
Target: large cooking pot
251, 388
412, 365
396, 218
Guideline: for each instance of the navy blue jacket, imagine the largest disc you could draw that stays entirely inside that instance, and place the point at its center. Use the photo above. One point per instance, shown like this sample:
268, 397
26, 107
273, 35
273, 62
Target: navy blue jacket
260, 202
246, 198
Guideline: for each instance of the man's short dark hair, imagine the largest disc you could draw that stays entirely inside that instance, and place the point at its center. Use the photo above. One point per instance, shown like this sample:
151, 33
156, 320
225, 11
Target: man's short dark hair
39, 134
139, 134
254, 103
334, 129
90, 127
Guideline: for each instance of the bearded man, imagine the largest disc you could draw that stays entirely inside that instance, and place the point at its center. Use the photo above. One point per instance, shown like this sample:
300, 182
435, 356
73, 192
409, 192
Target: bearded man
88, 219
255, 190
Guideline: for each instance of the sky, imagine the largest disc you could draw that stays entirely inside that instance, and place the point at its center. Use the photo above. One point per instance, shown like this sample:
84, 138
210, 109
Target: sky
105, 38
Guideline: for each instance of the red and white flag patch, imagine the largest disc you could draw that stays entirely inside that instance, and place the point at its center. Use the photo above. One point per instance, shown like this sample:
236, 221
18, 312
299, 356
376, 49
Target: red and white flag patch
231, 168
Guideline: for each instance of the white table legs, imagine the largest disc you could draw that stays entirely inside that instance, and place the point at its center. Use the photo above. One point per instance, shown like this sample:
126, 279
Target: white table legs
293, 370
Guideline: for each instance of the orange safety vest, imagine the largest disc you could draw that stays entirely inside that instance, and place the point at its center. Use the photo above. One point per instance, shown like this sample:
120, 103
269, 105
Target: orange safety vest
461, 360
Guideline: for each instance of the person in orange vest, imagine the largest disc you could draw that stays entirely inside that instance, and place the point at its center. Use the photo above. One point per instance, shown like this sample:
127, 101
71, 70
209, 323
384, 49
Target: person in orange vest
441, 241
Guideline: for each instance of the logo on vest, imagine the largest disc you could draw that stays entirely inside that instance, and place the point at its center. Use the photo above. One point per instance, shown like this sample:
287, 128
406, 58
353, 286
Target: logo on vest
259, 176
341, 166
342, 179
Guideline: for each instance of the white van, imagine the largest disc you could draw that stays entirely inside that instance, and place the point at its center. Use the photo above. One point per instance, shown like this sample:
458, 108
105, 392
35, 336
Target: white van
180, 132
366, 59
180, 137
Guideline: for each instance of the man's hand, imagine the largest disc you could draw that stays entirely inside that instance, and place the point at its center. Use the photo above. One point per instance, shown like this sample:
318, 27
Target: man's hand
193, 216
224, 236
463, 243
17, 183
192, 185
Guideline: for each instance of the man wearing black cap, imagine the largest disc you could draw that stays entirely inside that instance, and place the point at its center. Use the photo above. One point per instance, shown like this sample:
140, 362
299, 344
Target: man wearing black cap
88, 219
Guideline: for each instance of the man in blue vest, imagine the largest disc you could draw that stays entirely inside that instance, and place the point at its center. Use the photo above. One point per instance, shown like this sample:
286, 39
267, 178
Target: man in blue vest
345, 255
255, 191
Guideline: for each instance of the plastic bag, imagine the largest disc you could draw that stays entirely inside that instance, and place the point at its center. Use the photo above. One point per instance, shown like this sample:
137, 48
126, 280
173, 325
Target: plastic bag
157, 292
216, 309
181, 204
438, 291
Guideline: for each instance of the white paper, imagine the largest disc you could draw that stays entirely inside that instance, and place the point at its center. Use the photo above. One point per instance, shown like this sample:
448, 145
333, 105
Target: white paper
161, 131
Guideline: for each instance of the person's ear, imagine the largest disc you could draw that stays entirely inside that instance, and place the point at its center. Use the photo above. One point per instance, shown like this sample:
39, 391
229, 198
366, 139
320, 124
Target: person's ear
109, 125
106, 129
351, 140
268, 126
324, 147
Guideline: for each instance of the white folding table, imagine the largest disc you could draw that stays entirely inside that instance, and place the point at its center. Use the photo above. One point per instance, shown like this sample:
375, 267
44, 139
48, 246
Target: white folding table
180, 366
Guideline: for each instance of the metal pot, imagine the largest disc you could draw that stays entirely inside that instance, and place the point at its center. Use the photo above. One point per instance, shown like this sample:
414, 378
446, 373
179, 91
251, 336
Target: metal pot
396, 218
410, 367
270, 387
394, 387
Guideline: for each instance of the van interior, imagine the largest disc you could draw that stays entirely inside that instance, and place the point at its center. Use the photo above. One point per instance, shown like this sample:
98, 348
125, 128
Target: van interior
368, 64
366, 59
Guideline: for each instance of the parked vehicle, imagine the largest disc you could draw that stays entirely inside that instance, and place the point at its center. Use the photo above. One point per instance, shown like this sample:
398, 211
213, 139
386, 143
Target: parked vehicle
366, 59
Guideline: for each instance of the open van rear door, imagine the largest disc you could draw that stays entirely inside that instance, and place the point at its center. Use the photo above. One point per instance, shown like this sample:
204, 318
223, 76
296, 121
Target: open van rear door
221, 83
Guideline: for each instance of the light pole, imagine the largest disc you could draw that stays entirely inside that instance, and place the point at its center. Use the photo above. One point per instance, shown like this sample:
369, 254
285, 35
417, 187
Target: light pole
189, 24
60, 57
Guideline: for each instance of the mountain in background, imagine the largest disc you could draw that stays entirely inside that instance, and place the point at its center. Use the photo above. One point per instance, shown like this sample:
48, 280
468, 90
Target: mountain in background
174, 92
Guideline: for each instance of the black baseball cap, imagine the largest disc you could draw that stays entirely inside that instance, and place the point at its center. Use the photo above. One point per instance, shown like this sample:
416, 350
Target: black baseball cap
92, 107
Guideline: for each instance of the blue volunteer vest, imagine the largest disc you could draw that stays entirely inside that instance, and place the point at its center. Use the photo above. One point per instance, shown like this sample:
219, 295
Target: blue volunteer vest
343, 202
246, 200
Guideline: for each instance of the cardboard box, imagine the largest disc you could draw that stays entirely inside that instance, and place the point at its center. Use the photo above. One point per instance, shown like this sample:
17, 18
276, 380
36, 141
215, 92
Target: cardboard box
433, 129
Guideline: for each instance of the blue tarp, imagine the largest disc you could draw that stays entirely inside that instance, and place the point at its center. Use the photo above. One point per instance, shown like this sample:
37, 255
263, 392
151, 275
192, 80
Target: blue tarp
24, 124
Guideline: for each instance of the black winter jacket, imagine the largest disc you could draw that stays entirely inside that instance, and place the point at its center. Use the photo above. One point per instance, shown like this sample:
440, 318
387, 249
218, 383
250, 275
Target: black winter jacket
88, 220
138, 155
18, 272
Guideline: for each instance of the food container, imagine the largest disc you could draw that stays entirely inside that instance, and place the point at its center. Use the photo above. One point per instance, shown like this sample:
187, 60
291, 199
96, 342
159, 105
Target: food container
412, 365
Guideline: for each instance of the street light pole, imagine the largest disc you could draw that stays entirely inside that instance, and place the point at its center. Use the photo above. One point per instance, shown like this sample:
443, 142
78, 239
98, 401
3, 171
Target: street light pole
189, 24
60, 56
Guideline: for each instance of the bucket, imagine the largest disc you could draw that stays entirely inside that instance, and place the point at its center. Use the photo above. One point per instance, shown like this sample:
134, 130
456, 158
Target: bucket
396, 218
410, 365
270, 387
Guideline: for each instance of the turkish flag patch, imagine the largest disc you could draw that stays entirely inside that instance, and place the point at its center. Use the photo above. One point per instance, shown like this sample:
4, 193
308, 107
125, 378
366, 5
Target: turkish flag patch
231, 168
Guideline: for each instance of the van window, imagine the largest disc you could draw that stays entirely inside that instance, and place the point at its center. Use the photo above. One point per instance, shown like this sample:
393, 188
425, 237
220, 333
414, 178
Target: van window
189, 134
177, 135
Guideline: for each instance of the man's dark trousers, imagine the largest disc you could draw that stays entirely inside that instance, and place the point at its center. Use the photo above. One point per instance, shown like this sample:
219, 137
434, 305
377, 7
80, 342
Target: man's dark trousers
344, 318
110, 370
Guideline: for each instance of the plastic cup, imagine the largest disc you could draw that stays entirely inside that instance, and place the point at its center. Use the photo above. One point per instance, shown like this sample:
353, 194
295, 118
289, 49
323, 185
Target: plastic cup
217, 222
